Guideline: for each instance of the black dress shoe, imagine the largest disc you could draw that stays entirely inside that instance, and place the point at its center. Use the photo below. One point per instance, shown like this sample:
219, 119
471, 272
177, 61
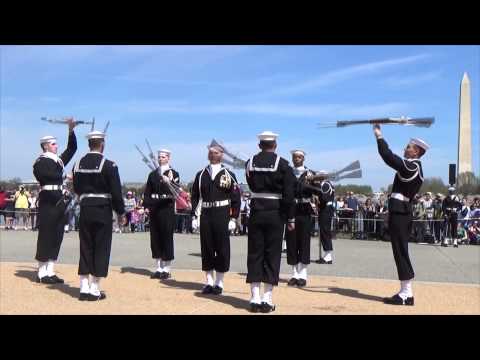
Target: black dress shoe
444, 245
83, 296
301, 282
208, 289
92, 297
156, 275
255, 308
322, 261
292, 282
397, 300
455, 245
266, 307
165, 275
46, 280
217, 290
56, 279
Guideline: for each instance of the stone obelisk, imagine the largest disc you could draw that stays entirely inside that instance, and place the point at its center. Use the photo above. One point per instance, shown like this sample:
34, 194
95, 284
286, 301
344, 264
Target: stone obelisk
464, 162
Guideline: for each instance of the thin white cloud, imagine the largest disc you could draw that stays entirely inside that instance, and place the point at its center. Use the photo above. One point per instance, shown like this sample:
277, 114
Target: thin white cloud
50, 99
404, 81
274, 109
340, 75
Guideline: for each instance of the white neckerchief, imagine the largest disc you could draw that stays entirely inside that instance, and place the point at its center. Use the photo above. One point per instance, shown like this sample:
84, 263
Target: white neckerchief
52, 156
298, 171
164, 168
215, 169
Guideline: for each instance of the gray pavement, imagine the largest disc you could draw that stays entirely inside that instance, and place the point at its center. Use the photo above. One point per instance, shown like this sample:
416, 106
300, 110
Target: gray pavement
352, 258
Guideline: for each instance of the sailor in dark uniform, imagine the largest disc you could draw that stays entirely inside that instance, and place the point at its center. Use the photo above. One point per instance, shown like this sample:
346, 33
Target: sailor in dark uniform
161, 204
272, 183
48, 170
326, 197
451, 205
216, 191
407, 183
97, 183
298, 241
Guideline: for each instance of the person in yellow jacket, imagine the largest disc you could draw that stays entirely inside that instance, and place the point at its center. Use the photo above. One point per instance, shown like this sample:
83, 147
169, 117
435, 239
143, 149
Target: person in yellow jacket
21, 206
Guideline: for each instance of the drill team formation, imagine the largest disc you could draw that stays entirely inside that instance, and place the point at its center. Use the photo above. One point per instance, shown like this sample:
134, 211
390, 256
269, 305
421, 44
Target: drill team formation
280, 207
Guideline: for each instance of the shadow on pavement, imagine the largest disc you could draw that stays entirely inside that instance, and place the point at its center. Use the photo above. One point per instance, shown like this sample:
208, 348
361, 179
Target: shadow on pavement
133, 270
346, 292
64, 288
197, 287
235, 302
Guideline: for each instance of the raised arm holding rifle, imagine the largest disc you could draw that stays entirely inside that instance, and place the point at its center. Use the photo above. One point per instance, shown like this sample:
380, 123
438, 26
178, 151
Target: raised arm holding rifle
406, 184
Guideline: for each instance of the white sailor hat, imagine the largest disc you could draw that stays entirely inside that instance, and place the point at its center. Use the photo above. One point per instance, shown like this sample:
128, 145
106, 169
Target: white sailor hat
95, 135
451, 188
48, 139
215, 145
267, 136
296, 151
164, 151
420, 143
322, 173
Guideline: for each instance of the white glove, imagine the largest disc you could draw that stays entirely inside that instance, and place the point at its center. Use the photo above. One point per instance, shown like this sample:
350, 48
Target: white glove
166, 179
232, 225
195, 224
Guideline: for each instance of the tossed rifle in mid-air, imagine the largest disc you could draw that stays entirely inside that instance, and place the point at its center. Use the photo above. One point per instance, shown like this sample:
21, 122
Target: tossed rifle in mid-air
152, 157
351, 171
235, 161
65, 121
145, 159
420, 122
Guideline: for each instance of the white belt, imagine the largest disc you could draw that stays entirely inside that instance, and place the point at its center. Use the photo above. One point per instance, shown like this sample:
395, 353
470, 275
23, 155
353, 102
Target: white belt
400, 197
105, 196
303, 201
161, 196
51, 187
330, 203
266, 196
206, 205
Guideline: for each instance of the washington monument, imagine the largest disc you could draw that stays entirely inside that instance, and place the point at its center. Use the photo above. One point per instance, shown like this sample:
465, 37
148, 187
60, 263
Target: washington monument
464, 161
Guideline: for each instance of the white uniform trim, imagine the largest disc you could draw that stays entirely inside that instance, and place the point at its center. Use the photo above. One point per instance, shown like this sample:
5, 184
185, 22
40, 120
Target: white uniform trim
105, 196
253, 168
329, 191
266, 196
54, 157
303, 200
90, 171
206, 205
416, 169
161, 196
400, 197
51, 187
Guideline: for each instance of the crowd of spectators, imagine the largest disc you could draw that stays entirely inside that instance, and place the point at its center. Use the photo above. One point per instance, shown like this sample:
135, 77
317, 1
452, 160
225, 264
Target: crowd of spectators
358, 216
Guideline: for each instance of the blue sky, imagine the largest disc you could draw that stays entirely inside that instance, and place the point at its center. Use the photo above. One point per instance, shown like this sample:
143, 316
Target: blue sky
180, 97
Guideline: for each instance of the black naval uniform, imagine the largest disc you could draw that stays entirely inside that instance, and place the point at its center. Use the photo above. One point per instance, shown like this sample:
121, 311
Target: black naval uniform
161, 203
97, 183
407, 183
298, 241
272, 182
51, 217
450, 208
220, 202
325, 213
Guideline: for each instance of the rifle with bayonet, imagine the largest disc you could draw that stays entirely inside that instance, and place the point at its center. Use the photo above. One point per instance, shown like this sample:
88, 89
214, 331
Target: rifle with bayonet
420, 122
